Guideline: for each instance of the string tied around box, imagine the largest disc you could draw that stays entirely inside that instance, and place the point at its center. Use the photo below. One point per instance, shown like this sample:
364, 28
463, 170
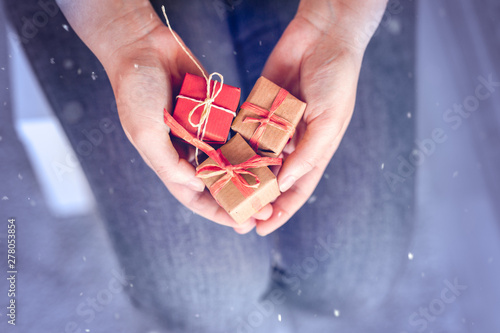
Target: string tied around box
268, 117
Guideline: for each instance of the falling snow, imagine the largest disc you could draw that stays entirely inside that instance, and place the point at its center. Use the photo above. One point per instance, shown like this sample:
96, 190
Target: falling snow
84, 258
408, 115
68, 64
52, 61
336, 313
312, 199
20, 176
79, 71
327, 176
279, 317
382, 166
410, 255
65, 27
260, 43
136, 66
5, 198
455, 174
394, 26
94, 76
145, 211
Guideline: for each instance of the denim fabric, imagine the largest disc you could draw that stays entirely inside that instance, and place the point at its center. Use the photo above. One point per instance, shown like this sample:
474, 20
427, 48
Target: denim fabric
344, 249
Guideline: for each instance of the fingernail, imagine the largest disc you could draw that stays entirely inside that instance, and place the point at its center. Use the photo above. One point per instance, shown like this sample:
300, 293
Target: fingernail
287, 183
260, 233
196, 186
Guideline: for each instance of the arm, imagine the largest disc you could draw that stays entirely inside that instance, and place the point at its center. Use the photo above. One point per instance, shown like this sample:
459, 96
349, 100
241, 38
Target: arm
318, 59
144, 64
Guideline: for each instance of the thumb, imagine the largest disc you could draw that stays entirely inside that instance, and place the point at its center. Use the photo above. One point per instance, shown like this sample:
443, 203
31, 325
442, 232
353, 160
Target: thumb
142, 95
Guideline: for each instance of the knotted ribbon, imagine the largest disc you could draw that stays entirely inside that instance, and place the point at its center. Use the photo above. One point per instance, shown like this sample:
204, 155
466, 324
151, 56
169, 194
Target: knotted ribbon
230, 172
268, 117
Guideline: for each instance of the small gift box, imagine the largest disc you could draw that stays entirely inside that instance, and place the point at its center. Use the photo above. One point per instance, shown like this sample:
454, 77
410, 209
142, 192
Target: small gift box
268, 117
243, 184
206, 113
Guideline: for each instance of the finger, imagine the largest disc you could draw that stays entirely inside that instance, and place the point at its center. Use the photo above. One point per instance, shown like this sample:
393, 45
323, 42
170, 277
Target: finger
264, 213
288, 203
247, 228
316, 147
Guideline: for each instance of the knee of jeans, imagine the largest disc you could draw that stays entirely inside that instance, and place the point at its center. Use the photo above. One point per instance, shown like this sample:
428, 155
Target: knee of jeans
326, 286
202, 293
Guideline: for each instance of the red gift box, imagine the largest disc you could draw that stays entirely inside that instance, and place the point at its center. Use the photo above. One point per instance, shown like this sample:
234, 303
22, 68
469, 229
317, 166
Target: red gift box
193, 100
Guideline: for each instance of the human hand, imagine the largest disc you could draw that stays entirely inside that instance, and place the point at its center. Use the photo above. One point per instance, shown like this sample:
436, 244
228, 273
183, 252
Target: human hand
143, 80
317, 59
146, 66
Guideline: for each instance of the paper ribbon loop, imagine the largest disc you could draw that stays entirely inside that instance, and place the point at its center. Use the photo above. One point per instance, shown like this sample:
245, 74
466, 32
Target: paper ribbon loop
268, 117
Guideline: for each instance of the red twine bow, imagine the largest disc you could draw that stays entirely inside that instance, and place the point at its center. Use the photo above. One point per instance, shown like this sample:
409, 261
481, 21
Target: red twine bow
235, 173
230, 172
268, 118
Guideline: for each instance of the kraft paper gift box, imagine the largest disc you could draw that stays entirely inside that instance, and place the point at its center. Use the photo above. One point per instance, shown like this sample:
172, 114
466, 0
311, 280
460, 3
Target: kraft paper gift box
240, 203
268, 117
221, 112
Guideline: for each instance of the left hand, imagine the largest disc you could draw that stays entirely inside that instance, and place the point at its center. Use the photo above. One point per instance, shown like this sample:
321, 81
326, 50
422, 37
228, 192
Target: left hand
317, 60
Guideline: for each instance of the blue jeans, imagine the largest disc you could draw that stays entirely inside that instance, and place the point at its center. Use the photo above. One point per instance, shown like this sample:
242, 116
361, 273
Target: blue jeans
335, 261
